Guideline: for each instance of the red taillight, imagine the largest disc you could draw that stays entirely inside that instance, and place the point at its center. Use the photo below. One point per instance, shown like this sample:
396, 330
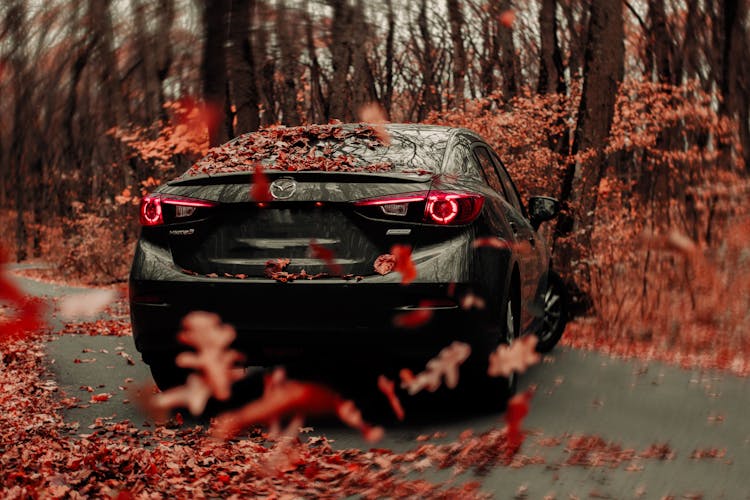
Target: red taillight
152, 213
440, 207
453, 208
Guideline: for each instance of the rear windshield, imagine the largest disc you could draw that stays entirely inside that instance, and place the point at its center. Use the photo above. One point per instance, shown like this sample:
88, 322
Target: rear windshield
335, 148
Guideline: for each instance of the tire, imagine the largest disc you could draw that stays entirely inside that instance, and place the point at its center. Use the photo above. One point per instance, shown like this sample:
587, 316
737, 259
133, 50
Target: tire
512, 318
166, 373
555, 313
492, 393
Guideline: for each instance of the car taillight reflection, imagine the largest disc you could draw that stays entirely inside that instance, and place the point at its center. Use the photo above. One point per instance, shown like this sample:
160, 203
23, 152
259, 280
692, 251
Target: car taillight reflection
440, 207
152, 212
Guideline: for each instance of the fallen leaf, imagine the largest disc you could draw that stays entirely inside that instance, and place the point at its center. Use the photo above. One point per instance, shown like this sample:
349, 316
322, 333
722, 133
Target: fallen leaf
387, 387
85, 305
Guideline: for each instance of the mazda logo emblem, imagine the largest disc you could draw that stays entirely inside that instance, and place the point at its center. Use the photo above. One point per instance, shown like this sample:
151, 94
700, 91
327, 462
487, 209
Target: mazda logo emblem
283, 188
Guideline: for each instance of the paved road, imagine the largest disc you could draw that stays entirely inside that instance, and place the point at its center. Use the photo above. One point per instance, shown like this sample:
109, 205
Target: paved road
628, 403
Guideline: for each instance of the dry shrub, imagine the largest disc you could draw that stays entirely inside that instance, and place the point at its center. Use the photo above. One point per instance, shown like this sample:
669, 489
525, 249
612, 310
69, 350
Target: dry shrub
92, 248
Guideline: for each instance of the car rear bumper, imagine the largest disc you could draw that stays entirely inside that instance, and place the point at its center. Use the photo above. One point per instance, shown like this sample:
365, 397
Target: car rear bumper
280, 322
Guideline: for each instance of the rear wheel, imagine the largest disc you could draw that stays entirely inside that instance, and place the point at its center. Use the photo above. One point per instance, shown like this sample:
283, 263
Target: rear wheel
511, 333
166, 373
555, 313
493, 392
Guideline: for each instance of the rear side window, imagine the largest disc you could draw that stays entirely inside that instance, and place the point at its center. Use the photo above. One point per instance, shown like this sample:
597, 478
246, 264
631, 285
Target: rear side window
461, 162
488, 168
510, 188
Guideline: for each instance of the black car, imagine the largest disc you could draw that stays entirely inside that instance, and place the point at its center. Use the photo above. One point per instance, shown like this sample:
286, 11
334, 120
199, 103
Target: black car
279, 231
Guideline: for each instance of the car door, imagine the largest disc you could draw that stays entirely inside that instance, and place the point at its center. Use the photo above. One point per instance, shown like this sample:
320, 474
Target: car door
528, 248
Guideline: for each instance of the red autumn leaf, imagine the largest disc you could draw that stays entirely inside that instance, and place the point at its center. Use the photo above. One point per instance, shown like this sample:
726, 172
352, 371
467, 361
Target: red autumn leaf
413, 319
514, 358
28, 316
406, 376
492, 242
193, 395
275, 266
261, 189
213, 358
404, 264
327, 256
384, 264
388, 388
374, 114
471, 301
518, 408
282, 398
507, 18
443, 366
85, 305
98, 398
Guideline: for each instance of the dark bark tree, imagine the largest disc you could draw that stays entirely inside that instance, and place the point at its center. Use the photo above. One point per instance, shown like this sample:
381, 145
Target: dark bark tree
603, 70
286, 32
341, 59
14, 19
430, 99
456, 17
266, 65
318, 106
508, 58
242, 82
551, 69
213, 68
734, 80
389, 56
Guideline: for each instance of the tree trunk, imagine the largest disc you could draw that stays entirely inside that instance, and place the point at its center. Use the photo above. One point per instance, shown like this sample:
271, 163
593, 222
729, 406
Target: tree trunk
213, 68
603, 72
430, 98
456, 18
551, 69
287, 37
508, 63
242, 83
389, 41
318, 106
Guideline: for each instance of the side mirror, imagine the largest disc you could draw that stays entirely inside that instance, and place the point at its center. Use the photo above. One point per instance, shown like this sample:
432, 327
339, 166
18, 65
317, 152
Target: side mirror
541, 209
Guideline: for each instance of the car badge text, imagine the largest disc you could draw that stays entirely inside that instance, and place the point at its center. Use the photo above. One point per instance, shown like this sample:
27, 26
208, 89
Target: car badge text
283, 188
